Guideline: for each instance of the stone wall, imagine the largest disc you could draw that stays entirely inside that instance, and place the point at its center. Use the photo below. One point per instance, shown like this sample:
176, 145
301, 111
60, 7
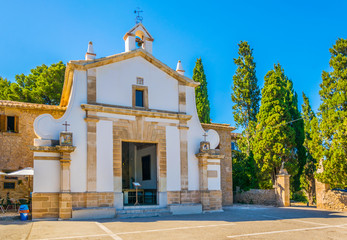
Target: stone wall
104, 199
256, 196
333, 200
178, 197
14, 147
21, 188
45, 205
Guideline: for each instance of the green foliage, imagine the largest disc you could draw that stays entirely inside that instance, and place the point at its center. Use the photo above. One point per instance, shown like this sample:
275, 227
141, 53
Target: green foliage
333, 118
298, 125
201, 97
43, 85
245, 90
307, 181
246, 97
274, 139
244, 171
298, 196
4, 88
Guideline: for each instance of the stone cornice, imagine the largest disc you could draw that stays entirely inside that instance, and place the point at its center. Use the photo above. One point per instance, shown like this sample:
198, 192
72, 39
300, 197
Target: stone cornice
57, 148
135, 112
220, 126
209, 156
30, 106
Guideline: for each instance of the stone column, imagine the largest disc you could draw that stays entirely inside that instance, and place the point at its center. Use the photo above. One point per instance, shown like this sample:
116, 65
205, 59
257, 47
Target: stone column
321, 188
211, 199
283, 189
65, 198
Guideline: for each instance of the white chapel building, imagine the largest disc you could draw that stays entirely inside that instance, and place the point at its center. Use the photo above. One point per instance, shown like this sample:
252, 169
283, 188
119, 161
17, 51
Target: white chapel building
130, 138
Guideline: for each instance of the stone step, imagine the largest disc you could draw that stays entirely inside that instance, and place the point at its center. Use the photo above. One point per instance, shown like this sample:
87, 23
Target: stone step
142, 212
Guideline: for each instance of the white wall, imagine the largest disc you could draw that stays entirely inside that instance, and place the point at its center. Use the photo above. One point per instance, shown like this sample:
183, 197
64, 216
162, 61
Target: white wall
173, 161
47, 176
195, 136
104, 156
114, 84
46, 127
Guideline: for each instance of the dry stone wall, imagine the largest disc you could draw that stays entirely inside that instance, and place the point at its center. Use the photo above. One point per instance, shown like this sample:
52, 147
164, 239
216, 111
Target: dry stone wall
256, 196
334, 200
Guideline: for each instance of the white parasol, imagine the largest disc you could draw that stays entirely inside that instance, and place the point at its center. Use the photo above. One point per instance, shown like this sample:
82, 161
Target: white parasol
2, 173
23, 172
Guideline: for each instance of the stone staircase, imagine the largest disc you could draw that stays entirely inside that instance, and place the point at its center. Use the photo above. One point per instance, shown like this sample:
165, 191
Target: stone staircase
142, 211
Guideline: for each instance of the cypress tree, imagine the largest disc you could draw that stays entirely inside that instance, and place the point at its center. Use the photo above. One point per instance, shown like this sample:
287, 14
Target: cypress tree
246, 97
298, 125
201, 96
333, 117
307, 180
275, 138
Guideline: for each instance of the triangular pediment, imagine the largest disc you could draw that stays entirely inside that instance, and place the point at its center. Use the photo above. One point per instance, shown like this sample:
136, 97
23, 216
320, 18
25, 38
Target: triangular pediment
135, 31
87, 64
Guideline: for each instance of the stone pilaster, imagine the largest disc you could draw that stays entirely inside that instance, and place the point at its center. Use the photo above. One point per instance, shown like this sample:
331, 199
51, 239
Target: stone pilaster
283, 190
91, 159
183, 131
91, 86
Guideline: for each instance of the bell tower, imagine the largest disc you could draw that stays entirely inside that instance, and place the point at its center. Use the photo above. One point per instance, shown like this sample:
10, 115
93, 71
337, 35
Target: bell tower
138, 37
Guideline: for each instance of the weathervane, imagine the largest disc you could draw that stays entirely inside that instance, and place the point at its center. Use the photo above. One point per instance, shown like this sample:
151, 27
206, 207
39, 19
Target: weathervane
138, 17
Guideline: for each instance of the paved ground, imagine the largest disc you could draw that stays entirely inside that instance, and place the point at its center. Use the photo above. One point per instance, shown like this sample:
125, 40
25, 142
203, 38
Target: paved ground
238, 222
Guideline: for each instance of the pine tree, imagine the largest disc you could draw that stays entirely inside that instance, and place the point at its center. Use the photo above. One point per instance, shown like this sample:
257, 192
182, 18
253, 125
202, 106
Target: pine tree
307, 180
275, 138
43, 85
201, 96
298, 125
333, 117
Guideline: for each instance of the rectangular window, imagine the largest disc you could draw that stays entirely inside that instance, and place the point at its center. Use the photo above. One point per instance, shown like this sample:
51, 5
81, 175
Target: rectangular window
146, 167
9, 123
139, 98
9, 185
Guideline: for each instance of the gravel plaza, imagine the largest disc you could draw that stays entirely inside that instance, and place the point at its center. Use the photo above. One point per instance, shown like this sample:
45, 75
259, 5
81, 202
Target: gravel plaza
237, 222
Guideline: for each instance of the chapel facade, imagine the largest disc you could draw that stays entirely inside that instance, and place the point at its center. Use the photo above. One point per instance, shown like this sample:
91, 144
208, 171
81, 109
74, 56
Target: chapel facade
130, 137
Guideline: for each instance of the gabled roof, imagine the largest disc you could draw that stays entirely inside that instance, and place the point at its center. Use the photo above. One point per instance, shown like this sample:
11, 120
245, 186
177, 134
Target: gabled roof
88, 64
138, 26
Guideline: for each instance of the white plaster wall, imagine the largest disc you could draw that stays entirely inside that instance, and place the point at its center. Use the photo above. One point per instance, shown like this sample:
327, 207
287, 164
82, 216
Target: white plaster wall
214, 183
104, 156
173, 162
115, 116
195, 136
114, 84
47, 176
46, 127
152, 183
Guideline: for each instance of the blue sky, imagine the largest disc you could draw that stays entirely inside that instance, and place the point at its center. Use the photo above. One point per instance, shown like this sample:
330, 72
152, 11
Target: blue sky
297, 34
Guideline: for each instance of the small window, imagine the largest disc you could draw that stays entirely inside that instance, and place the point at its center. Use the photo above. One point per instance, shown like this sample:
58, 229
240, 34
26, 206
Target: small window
139, 81
139, 98
9, 185
146, 167
9, 123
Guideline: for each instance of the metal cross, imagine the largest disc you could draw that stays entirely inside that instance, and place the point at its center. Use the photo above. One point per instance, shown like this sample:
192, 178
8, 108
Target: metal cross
66, 125
205, 135
138, 17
